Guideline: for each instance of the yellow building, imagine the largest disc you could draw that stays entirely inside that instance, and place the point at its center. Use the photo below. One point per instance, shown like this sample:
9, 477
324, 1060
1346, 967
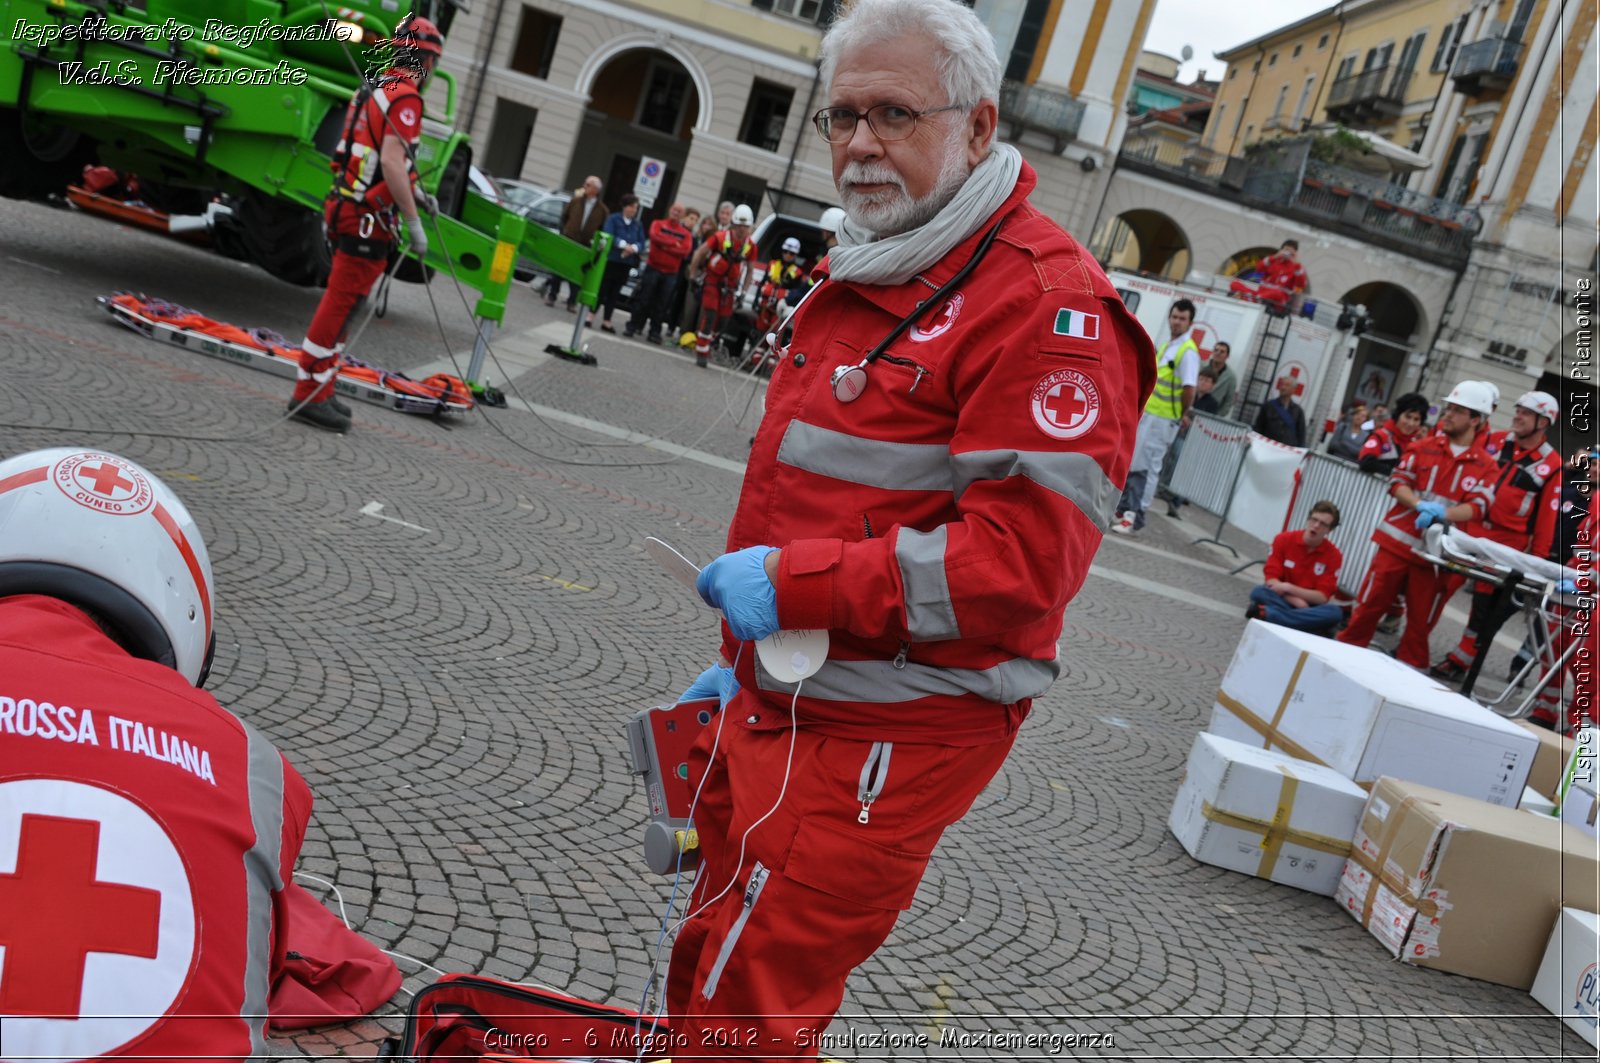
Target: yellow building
1471, 128
1377, 66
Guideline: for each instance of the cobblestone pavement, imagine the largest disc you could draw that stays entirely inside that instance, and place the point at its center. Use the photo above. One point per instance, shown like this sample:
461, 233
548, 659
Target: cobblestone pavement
452, 673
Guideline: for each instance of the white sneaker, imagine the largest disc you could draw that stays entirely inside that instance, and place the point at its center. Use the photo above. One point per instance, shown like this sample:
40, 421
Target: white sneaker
1123, 524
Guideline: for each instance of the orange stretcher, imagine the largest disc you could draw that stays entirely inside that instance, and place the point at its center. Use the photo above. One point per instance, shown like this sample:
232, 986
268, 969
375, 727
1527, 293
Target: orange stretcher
266, 350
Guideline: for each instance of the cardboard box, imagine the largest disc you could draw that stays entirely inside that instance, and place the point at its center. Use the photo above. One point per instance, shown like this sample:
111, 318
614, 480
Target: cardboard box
1266, 814
1535, 802
1549, 761
1581, 807
1365, 715
1568, 982
1458, 884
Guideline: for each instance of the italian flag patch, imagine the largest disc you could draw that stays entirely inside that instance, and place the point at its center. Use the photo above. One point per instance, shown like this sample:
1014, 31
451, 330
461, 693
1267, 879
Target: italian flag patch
1077, 324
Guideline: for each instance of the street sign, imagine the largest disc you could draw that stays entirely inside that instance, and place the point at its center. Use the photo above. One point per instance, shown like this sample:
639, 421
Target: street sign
648, 184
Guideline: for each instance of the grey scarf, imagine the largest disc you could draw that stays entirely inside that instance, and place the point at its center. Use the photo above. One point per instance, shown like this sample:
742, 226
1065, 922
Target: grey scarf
863, 258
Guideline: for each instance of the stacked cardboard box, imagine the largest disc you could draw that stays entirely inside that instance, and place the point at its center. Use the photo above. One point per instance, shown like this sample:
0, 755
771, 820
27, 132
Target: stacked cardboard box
1266, 814
1365, 715
1459, 884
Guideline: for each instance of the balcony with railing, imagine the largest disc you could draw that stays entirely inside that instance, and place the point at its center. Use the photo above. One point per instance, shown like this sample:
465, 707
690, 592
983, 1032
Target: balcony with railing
1486, 66
1283, 179
1038, 109
1372, 95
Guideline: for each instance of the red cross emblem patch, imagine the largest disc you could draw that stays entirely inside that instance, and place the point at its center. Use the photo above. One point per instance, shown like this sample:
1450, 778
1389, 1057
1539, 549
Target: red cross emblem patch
1066, 404
97, 919
104, 483
940, 322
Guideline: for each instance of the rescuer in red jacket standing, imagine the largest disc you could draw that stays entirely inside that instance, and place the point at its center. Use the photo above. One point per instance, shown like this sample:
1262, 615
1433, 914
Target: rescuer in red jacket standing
373, 193
146, 834
947, 431
1447, 475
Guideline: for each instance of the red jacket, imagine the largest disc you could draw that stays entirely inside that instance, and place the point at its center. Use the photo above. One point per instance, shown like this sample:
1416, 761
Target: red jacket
1429, 468
1386, 443
395, 109
1527, 482
939, 524
1281, 271
151, 835
670, 244
1290, 561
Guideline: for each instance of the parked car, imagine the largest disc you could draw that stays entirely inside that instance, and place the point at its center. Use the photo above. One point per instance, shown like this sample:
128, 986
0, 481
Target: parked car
539, 206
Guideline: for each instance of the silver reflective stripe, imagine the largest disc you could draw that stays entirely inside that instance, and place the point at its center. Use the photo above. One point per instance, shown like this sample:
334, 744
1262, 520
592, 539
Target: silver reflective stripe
869, 462
881, 682
1385, 528
261, 878
1076, 477
752, 894
930, 616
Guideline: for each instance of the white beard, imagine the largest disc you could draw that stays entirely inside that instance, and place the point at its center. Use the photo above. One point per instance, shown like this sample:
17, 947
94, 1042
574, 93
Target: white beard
892, 212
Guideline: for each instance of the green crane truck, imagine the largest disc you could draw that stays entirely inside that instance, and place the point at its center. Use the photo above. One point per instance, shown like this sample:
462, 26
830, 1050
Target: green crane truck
246, 99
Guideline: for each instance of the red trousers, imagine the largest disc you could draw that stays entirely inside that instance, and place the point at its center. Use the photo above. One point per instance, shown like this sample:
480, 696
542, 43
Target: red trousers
1577, 625
761, 971
1388, 575
349, 280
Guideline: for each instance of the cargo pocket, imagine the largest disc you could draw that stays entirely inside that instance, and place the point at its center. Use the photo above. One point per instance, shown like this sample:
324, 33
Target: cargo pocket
841, 863
752, 894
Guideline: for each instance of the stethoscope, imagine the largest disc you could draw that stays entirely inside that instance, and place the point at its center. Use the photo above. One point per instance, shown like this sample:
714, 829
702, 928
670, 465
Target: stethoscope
849, 381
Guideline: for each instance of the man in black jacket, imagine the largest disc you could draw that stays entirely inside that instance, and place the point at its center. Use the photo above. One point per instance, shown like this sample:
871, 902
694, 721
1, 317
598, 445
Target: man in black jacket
1282, 419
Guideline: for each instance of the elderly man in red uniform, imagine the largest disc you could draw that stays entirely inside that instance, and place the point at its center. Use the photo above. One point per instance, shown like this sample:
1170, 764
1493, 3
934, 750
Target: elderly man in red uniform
373, 188
147, 836
1446, 476
946, 435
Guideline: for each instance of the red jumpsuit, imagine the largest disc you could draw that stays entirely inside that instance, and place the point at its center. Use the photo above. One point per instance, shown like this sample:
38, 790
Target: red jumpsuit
360, 219
938, 526
725, 271
1521, 516
1429, 468
146, 839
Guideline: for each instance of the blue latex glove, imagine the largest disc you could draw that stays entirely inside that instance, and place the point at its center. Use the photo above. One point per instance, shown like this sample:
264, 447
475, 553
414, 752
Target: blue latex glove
1428, 512
737, 584
715, 682
1567, 586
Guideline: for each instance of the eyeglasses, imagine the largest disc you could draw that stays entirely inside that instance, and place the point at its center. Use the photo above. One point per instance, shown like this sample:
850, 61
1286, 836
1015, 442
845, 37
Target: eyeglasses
888, 121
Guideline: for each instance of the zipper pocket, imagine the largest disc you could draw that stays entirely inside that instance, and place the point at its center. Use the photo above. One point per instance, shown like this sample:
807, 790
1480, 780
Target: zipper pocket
752, 894
874, 773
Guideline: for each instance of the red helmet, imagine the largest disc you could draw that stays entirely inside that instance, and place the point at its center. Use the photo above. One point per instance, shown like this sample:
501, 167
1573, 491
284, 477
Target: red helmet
418, 36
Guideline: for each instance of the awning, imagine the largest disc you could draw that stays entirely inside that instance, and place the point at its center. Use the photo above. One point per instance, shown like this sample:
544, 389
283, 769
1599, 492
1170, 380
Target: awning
1396, 157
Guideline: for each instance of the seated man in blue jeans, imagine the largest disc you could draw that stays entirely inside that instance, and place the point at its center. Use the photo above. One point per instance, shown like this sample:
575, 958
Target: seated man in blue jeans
1302, 573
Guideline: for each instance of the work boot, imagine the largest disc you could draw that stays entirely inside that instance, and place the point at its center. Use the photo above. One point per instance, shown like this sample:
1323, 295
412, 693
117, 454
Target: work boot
321, 415
339, 407
700, 360
1448, 669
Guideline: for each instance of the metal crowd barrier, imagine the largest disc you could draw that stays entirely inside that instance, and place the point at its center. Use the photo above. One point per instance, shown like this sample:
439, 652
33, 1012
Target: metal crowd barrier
1208, 468
1362, 498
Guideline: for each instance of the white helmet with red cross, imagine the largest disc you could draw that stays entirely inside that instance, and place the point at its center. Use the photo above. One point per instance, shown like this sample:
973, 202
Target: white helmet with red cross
106, 535
1541, 404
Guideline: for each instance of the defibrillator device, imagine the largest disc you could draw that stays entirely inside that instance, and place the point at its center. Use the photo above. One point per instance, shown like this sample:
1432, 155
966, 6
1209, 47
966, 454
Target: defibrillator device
659, 740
